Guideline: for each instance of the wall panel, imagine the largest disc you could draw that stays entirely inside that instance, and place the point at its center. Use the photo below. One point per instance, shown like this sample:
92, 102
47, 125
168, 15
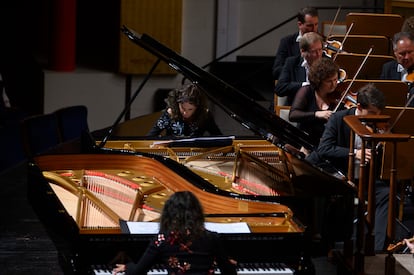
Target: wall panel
158, 18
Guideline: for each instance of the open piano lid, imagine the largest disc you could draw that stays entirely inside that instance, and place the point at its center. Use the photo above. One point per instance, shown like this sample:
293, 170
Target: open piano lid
259, 120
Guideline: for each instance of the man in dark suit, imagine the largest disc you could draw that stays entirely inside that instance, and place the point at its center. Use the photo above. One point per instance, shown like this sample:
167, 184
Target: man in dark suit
335, 147
402, 68
295, 70
308, 20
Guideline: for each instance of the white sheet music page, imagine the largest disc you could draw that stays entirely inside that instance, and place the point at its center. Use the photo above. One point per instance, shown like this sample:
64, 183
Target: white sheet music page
143, 227
233, 227
153, 227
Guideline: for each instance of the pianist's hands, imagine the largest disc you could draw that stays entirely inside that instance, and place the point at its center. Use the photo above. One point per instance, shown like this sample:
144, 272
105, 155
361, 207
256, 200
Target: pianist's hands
118, 268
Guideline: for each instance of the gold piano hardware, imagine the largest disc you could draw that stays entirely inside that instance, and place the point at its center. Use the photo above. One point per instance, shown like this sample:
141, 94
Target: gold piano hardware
97, 193
255, 167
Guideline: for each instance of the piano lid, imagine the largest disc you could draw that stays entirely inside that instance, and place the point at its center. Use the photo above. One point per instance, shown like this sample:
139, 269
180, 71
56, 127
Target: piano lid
235, 103
258, 119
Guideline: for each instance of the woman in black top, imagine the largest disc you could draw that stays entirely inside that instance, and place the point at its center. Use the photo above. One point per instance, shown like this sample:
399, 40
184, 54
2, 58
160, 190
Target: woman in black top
186, 115
183, 244
313, 104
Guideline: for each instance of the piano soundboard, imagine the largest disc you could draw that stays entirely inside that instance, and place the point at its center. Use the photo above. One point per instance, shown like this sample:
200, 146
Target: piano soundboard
242, 269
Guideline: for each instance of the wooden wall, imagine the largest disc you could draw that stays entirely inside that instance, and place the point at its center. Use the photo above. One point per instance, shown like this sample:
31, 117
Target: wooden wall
161, 20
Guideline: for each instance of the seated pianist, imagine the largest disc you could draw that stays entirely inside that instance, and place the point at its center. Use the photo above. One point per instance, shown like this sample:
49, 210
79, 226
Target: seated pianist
186, 115
183, 244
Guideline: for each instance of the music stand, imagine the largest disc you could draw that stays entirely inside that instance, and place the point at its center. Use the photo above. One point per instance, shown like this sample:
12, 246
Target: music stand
374, 23
395, 91
405, 149
372, 68
356, 123
356, 43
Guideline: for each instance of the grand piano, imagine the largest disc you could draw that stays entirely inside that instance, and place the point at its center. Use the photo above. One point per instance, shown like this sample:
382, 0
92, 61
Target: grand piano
265, 182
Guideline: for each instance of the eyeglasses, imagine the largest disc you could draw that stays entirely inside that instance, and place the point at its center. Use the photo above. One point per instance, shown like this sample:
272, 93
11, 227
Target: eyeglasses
315, 51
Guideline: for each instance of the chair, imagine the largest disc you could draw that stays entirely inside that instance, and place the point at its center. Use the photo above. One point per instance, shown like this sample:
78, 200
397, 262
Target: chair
138, 126
395, 91
40, 134
374, 23
371, 69
281, 109
358, 43
73, 121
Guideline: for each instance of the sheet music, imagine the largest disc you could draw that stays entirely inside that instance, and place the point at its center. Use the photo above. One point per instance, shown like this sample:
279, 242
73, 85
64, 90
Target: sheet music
233, 227
143, 227
153, 227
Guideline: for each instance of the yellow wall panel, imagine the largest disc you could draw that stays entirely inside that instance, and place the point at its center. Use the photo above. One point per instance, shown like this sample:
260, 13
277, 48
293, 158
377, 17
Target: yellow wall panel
161, 19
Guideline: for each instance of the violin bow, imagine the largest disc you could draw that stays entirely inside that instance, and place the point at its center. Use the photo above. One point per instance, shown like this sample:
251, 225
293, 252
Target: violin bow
396, 120
353, 80
401, 112
333, 22
343, 40
394, 247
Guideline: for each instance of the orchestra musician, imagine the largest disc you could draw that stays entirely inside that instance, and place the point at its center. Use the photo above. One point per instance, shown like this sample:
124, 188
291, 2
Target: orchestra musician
294, 74
308, 20
183, 244
313, 105
408, 25
186, 115
402, 67
335, 146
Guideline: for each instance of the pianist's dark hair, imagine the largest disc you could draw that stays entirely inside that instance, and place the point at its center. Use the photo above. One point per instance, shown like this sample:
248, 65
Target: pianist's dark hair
371, 95
182, 216
192, 94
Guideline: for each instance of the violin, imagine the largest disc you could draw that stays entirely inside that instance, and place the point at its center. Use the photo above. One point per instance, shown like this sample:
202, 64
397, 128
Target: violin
332, 47
349, 101
345, 94
394, 247
410, 77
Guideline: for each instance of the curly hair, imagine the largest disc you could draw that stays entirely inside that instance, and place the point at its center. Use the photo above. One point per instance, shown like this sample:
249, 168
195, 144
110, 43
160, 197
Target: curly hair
182, 215
320, 70
190, 93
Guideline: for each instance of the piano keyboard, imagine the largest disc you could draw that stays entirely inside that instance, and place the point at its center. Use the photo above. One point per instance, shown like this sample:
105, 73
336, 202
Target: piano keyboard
242, 269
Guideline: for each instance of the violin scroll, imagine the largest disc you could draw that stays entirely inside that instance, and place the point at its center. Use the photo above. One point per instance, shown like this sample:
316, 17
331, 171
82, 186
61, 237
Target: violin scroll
342, 75
332, 47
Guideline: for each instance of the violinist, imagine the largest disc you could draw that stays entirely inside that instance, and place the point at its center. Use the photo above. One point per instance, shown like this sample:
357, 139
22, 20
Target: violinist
402, 68
312, 105
334, 147
308, 20
295, 71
